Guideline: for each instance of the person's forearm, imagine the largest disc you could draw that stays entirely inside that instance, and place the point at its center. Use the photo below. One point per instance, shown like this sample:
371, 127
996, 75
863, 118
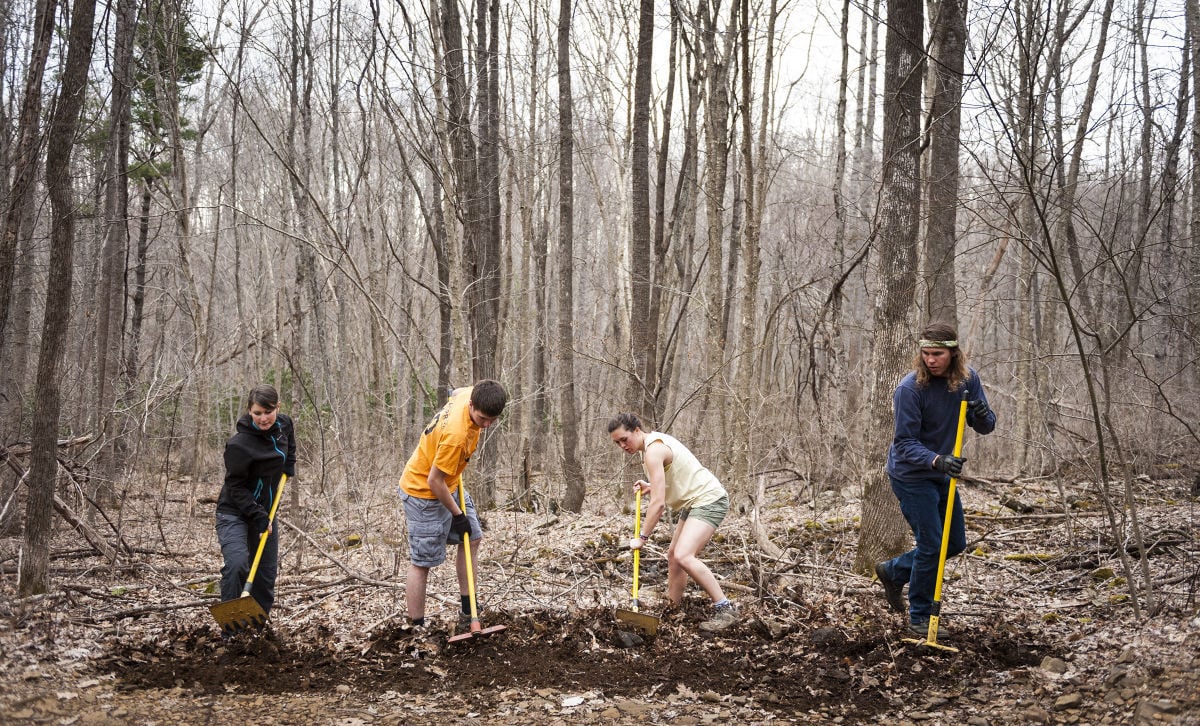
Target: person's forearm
654, 512
437, 485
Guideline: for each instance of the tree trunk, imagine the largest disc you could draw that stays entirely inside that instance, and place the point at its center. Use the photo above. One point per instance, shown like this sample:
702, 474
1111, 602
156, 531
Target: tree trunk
642, 330
476, 187
717, 49
945, 110
755, 178
15, 235
110, 295
574, 484
1193, 266
25, 155
34, 575
884, 532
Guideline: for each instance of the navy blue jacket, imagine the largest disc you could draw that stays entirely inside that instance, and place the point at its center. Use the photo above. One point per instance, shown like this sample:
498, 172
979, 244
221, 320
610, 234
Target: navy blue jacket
926, 424
254, 461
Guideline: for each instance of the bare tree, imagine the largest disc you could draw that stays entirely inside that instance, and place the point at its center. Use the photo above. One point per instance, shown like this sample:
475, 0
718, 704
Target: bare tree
642, 329
575, 486
717, 56
34, 575
110, 293
948, 45
1193, 266
883, 532
15, 292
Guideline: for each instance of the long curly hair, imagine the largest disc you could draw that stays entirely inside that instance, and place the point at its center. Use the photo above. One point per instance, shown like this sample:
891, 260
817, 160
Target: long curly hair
957, 373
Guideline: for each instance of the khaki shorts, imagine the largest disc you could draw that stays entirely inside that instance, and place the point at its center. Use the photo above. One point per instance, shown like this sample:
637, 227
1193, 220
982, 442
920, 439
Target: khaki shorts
429, 529
713, 513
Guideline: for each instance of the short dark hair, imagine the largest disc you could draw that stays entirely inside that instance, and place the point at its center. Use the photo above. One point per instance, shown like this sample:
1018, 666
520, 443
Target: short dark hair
628, 421
264, 395
489, 397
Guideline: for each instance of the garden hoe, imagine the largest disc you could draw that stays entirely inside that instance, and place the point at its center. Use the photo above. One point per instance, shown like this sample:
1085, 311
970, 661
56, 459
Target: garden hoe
648, 624
930, 639
476, 630
236, 615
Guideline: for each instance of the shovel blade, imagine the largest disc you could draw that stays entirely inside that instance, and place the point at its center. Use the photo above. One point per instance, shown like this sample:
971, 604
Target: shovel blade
235, 615
648, 624
930, 644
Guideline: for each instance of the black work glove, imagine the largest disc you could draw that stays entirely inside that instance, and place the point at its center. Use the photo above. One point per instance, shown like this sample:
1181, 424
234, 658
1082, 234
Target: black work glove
262, 521
460, 525
948, 464
978, 409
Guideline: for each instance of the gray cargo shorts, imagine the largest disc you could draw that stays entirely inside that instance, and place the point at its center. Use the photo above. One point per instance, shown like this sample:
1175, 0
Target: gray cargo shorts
429, 529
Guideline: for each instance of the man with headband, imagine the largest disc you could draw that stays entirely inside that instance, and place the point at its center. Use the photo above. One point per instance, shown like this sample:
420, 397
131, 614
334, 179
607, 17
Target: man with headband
920, 465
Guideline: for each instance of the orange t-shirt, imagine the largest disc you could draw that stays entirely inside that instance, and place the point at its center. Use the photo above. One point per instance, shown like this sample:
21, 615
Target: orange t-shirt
447, 443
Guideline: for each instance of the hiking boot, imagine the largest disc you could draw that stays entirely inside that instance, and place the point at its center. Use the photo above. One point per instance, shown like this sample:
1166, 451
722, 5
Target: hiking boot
920, 628
892, 590
721, 619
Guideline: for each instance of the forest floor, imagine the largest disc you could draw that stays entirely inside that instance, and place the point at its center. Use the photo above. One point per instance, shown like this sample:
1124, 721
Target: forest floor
1037, 607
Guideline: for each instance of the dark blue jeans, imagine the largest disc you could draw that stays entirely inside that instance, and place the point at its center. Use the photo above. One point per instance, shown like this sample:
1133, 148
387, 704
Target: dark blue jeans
924, 506
238, 545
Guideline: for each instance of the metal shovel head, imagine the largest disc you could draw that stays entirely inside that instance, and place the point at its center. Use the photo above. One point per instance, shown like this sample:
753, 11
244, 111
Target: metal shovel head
648, 624
235, 615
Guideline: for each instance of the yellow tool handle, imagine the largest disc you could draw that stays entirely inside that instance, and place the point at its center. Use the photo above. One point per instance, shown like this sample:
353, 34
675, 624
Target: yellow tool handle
637, 532
262, 538
466, 541
937, 590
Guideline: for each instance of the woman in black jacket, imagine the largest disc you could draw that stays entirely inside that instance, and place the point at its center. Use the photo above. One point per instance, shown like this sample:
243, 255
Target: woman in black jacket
263, 448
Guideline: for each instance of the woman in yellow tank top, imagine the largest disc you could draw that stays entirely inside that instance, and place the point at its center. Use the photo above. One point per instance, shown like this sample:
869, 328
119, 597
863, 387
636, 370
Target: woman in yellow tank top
676, 478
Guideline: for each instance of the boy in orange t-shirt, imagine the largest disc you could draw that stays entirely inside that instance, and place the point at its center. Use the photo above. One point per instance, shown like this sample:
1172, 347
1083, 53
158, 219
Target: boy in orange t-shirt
429, 485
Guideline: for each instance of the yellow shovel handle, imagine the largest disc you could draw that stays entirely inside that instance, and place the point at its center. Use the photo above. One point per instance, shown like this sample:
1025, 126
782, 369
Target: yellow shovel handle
466, 543
637, 532
262, 538
935, 615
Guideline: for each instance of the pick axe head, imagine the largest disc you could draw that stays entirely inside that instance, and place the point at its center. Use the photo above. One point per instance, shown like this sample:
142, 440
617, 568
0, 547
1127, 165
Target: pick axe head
476, 632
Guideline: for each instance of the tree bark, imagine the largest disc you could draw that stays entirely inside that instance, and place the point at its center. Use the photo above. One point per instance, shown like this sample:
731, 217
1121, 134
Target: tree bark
884, 532
945, 111
25, 154
574, 484
34, 575
110, 295
1193, 265
717, 48
642, 330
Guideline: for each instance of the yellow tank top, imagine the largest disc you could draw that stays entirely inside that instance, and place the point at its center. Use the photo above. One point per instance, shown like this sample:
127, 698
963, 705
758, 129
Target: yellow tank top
689, 484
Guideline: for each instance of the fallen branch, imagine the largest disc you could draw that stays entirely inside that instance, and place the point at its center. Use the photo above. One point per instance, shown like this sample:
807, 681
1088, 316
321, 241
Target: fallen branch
92, 536
341, 565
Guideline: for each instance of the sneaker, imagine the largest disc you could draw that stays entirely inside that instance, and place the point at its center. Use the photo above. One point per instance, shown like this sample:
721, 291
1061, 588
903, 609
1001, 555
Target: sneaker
892, 590
721, 619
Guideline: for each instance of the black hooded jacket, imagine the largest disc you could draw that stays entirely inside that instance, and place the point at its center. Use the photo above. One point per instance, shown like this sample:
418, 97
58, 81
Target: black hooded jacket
254, 460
